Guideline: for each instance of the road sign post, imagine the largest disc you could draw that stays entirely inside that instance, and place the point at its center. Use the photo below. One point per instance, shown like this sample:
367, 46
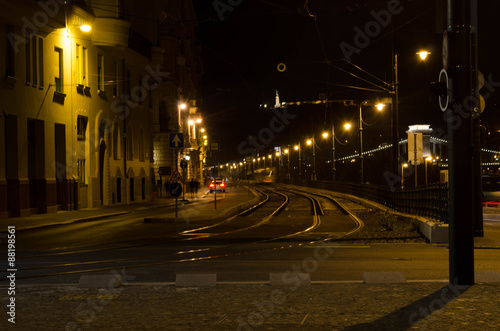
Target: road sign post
175, 190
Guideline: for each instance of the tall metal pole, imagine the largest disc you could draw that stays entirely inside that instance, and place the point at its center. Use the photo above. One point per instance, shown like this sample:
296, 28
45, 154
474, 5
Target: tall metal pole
288, 163
360, 141
394, 119
314, 159
300, 164
333, 148
478, 197
461, 216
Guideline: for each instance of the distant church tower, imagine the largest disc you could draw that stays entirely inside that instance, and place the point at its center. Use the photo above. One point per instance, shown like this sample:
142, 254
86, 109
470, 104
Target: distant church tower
278, 104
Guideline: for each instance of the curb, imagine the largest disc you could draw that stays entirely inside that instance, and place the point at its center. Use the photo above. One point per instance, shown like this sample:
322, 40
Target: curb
70, 221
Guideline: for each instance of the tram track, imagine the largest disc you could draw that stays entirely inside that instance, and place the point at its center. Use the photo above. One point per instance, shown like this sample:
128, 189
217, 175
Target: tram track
215, 250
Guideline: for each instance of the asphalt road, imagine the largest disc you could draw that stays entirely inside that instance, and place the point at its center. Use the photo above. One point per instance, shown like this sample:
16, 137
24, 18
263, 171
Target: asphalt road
242, 250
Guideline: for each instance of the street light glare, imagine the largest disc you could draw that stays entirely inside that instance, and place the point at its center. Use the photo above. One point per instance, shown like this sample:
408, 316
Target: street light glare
347, 126
380, 106
182, 106
325, 135
309, 142
423, 54
85, 28
296, 147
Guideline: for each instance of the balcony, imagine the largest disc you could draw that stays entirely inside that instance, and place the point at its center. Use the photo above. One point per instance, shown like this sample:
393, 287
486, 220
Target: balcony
111, 32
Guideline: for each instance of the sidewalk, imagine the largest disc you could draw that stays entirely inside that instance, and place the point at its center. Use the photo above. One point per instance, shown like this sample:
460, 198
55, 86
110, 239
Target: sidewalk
199, 207
333, 306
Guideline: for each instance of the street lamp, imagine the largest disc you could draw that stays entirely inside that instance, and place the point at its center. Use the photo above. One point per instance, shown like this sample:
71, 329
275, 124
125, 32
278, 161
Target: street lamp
379, 108
423, 54
312, 142
403, 166
297, 148
429, 158
286, 151
180, 106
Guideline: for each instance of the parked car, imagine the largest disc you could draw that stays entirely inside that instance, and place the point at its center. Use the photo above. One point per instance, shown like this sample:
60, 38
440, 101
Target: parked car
217, 184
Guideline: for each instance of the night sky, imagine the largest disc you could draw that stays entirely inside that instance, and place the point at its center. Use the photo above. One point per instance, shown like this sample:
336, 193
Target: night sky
242, 51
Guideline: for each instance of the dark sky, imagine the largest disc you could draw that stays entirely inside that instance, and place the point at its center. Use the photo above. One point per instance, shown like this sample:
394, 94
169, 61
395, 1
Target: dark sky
242, 51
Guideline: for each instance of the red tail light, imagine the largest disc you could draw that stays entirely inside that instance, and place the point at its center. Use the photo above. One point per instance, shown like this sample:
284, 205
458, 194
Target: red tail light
211, 185
222, 185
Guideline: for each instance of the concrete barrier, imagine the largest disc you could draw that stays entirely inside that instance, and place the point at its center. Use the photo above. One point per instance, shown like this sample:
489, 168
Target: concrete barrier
487, 277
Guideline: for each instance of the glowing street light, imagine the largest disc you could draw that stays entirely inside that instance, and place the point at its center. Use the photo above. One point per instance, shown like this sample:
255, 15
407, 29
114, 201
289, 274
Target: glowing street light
347, 126
429, 158
181, 106
85, 28
403, 165
310, 142
297, 148
423, 54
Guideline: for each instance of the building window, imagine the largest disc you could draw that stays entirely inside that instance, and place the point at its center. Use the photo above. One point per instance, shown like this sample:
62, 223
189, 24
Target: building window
40, 61
59, 80
10, 56
84, 66
81, 170
34, 59
100, 73
115, 79
81, 127
28, 60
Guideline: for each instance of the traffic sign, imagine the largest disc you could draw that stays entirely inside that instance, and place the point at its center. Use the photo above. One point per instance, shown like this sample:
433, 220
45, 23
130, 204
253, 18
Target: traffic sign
444, 98
214, 146
184, 164
176, 176
176, 140
175, 189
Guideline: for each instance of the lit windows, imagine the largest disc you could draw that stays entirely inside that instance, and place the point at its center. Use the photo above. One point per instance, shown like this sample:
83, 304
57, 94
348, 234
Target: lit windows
59, 74
81, 127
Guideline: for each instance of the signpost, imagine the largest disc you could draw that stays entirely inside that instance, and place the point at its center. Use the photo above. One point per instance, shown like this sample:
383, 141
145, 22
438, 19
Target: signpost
175, 190
176, 140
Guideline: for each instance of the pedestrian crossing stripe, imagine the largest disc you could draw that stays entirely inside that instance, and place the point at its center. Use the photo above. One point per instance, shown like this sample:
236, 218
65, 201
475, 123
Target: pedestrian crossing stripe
176, 176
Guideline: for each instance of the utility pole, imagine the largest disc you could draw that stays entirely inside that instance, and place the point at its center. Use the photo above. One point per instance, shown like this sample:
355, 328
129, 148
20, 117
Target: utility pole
360, 140
461, 216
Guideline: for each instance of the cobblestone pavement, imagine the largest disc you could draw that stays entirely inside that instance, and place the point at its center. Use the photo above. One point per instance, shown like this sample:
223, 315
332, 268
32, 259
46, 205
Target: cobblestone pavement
334, 306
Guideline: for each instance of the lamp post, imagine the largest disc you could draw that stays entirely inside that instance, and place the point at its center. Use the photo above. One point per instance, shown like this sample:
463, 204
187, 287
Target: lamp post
181, 106
309, 142
287, 152
297, 148
403, 166
426, 160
